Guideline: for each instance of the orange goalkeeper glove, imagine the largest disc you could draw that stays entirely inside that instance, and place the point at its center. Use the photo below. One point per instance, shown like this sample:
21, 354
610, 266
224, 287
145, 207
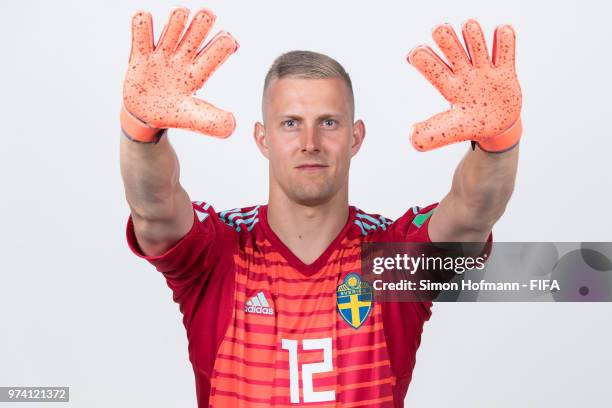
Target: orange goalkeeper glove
485, 95
159, 87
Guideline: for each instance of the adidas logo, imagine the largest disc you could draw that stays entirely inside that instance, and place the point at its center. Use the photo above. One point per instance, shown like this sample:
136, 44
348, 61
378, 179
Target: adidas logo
258, 304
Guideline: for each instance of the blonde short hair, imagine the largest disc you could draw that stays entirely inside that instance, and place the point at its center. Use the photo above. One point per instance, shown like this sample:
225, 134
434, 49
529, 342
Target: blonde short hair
308, 65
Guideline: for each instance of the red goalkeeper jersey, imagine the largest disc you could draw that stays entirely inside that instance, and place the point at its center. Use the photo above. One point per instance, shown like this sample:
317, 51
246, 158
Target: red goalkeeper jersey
266, 330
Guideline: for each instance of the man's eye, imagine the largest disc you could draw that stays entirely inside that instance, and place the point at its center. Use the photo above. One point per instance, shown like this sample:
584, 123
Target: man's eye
290, 123
329, 122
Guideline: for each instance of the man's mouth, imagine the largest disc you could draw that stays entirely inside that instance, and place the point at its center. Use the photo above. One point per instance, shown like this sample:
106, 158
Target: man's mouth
311, 166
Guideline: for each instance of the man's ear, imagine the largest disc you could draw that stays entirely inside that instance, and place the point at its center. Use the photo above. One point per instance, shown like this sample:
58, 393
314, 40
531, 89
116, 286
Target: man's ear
358, 135
259, 135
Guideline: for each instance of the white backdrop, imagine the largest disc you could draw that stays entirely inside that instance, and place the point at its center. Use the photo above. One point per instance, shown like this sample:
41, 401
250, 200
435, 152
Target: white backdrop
78, 309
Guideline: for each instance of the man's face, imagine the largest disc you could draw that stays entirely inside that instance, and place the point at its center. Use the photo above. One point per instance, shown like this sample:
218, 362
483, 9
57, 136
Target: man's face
309, 138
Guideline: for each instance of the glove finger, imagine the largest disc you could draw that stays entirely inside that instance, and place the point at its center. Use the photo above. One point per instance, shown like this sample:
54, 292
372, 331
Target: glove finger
172, 30
427, 62
213, 55
202, 117
504, 44
197, 31
142, 35
446, 39
440, 130
476, 44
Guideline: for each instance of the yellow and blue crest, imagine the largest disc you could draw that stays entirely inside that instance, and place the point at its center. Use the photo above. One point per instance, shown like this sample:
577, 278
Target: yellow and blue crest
354, 300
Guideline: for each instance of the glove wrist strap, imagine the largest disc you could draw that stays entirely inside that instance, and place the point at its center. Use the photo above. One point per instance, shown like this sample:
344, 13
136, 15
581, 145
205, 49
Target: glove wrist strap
504, 141
137, 130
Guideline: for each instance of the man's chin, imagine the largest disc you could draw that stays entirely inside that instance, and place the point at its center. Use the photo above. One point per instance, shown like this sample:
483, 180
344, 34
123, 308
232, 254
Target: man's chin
311, 201
311, 198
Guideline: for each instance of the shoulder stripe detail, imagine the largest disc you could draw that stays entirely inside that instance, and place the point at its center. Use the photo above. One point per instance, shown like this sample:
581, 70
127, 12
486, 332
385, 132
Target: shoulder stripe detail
244, 214
222, 214
201, 215
201, 210
360, 225
199, 204
367, 223
419, 219
235, 218
381, 222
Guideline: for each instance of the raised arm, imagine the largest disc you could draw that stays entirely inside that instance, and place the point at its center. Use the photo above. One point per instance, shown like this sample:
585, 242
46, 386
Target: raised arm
486, 101
161, 209
158, 94
482, 186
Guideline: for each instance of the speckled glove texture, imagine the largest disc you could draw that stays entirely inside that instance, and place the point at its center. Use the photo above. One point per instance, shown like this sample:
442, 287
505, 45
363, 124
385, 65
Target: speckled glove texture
159, 87
484, 92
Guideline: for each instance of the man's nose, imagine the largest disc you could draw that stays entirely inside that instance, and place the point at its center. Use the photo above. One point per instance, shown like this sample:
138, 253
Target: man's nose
310, 139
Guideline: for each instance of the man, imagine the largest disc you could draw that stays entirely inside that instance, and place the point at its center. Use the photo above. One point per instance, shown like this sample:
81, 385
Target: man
259, 286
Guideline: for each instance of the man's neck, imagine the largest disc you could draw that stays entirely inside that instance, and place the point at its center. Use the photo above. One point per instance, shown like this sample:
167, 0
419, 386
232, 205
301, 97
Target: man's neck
307, 230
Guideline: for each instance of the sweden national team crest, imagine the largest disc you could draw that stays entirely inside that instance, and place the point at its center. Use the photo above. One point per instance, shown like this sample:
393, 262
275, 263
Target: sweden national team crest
354, 300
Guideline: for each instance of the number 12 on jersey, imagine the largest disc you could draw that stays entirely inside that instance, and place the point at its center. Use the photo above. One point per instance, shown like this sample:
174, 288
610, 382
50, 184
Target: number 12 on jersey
308, 369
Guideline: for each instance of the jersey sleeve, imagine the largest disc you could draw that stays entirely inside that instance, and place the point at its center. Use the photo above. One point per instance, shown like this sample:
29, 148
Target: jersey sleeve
404, 321
413, 225
199, 269
190, 261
